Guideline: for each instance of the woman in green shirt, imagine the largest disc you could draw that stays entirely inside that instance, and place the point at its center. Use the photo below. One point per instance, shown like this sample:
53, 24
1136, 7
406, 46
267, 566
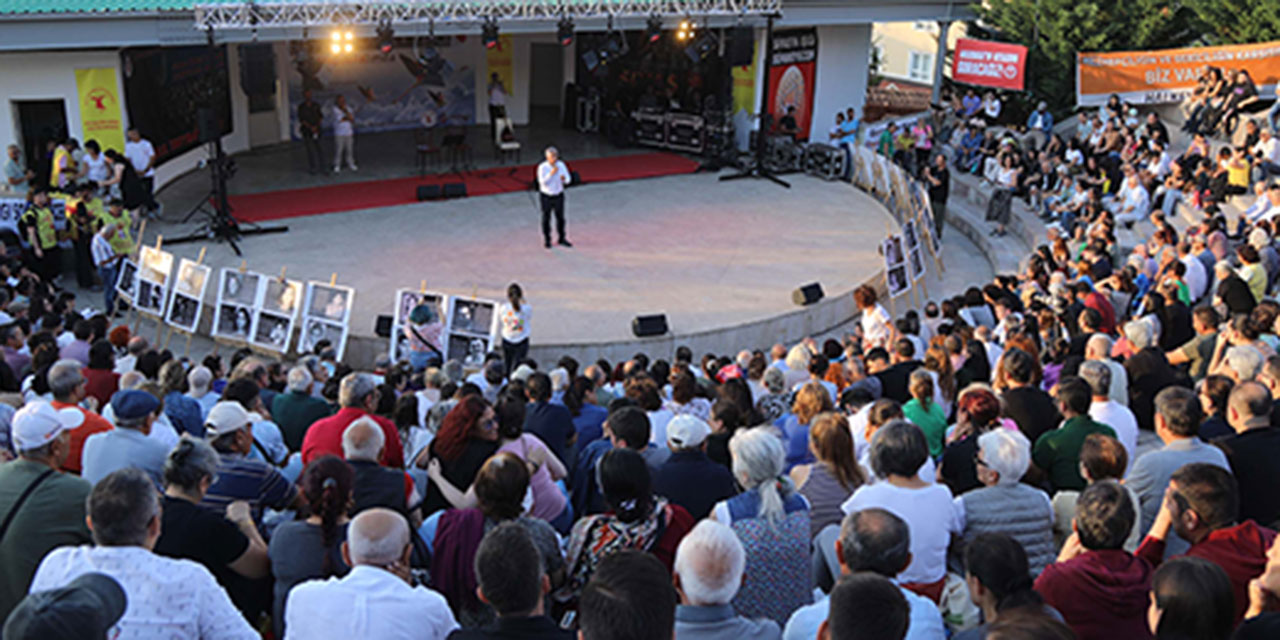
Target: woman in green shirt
923, 412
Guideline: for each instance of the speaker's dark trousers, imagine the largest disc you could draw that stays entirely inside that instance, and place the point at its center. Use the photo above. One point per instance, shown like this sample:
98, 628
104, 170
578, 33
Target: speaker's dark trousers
552, 204
149, 187
315, 161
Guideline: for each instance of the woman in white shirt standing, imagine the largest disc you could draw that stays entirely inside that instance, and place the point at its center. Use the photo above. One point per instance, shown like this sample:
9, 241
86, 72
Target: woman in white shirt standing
877, 327
514, 315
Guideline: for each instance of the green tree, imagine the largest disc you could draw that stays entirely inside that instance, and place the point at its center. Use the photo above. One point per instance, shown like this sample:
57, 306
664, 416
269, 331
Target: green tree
1056, 30
1238, 21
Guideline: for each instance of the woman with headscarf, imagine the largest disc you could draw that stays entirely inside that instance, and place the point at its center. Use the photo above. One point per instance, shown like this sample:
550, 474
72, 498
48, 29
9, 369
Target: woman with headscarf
636, 519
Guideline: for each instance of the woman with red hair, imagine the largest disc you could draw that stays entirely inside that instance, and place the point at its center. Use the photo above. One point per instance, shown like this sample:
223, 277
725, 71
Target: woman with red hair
977, 412
468, 436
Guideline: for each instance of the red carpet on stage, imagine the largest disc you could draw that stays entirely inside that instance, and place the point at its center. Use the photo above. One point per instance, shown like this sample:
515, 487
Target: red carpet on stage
292, 203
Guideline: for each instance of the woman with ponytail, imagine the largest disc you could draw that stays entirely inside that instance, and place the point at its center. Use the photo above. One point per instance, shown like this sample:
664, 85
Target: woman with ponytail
310, 549
229, 547
1000, 583
771, 519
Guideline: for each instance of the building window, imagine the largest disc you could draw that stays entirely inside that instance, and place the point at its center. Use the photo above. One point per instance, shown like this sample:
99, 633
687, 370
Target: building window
925, 26
920, 66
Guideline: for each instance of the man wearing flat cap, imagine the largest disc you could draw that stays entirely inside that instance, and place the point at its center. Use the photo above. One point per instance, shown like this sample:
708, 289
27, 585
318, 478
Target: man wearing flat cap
88, 607
129, 444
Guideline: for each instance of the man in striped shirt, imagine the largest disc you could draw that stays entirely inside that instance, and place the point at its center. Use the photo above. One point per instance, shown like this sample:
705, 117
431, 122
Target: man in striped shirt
106, 260
229, 429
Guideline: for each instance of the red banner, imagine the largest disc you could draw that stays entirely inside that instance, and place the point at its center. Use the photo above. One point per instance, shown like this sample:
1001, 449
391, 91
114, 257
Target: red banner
990, 64
792, 74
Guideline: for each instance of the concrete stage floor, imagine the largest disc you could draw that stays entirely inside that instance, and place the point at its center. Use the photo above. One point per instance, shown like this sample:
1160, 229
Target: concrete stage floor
709, 254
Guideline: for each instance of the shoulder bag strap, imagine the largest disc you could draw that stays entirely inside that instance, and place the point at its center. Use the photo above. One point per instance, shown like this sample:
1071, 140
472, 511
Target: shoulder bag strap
425, 341
17, 506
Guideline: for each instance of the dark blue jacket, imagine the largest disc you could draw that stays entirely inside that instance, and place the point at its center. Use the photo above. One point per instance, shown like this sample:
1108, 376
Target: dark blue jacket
693, 481
554, 425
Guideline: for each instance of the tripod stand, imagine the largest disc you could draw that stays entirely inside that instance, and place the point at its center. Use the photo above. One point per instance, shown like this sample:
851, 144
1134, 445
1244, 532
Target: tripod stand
219, 224
766, 119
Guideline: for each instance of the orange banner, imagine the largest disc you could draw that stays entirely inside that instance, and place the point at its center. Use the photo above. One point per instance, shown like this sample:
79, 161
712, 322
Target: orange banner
1169, 75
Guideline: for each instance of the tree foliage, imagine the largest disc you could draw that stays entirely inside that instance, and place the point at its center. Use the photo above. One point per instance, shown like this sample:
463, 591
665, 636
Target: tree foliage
1056, 30
1237, 21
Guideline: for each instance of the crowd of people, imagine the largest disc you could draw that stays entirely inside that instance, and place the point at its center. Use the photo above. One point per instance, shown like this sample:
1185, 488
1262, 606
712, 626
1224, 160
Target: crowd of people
1083, 449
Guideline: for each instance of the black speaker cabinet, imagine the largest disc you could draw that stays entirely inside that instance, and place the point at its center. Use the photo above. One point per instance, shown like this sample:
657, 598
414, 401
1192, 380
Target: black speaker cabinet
741, 47
428, 192
382, 326
455, 190
807, 295
644, 326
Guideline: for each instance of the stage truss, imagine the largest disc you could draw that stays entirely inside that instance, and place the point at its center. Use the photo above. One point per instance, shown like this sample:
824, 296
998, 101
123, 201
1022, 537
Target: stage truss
316, 13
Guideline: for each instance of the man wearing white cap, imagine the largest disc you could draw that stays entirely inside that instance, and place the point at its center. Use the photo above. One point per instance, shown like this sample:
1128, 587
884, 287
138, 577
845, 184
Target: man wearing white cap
229, 428
689, 478
47, 507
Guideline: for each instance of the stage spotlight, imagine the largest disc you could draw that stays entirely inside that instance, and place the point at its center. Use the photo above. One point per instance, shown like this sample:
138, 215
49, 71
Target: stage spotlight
336, 48
564, 31
386, 36
336, 35
654, 29
348, 36
347, 48
489, 33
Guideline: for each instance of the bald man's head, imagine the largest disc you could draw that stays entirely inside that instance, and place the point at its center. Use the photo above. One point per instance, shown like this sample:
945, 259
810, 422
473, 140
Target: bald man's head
1249, 401
378, 537
363, 440
1098, 347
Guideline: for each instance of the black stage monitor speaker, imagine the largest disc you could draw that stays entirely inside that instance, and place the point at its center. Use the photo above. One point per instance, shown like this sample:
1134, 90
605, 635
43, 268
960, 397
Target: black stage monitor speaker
428, 192
455, 190
807, 295
382, 326
644, 326
741, 47
575, 180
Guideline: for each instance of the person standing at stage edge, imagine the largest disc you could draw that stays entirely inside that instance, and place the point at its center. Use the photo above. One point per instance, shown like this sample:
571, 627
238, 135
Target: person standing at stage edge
344, 134
514, 315
309, 121
553, 177
143, 158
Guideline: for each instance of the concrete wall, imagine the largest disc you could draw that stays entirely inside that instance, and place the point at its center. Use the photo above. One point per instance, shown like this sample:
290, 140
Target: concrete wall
844, 53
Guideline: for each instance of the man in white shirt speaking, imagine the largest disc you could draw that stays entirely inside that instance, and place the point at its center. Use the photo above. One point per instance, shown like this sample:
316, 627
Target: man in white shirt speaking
553, 177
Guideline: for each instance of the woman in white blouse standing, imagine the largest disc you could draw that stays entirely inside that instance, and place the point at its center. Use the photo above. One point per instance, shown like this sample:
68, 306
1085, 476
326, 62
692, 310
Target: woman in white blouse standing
514, 315
877, 326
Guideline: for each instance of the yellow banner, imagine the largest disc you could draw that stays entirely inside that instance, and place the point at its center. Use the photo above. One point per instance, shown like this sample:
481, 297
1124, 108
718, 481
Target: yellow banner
100, 117
498, 60
744, 86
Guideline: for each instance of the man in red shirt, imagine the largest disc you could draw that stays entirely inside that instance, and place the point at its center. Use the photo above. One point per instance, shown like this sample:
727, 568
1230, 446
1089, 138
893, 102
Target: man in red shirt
1100, 589
69, 388
1200, 505
358, 397
1091, 299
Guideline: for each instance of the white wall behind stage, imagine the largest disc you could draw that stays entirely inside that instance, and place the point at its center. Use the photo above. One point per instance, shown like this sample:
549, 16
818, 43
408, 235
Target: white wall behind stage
51, 75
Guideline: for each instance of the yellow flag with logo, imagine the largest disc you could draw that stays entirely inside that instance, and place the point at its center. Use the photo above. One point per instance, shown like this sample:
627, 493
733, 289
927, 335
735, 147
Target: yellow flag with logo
100, 118
744, 86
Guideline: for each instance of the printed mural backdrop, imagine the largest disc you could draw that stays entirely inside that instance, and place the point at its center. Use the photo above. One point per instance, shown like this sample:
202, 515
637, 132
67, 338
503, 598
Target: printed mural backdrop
432, 83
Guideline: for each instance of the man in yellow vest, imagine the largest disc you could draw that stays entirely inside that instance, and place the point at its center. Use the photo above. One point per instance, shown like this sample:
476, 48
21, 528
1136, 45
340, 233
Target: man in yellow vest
64, 169
122, 240
37, 229
83, 213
